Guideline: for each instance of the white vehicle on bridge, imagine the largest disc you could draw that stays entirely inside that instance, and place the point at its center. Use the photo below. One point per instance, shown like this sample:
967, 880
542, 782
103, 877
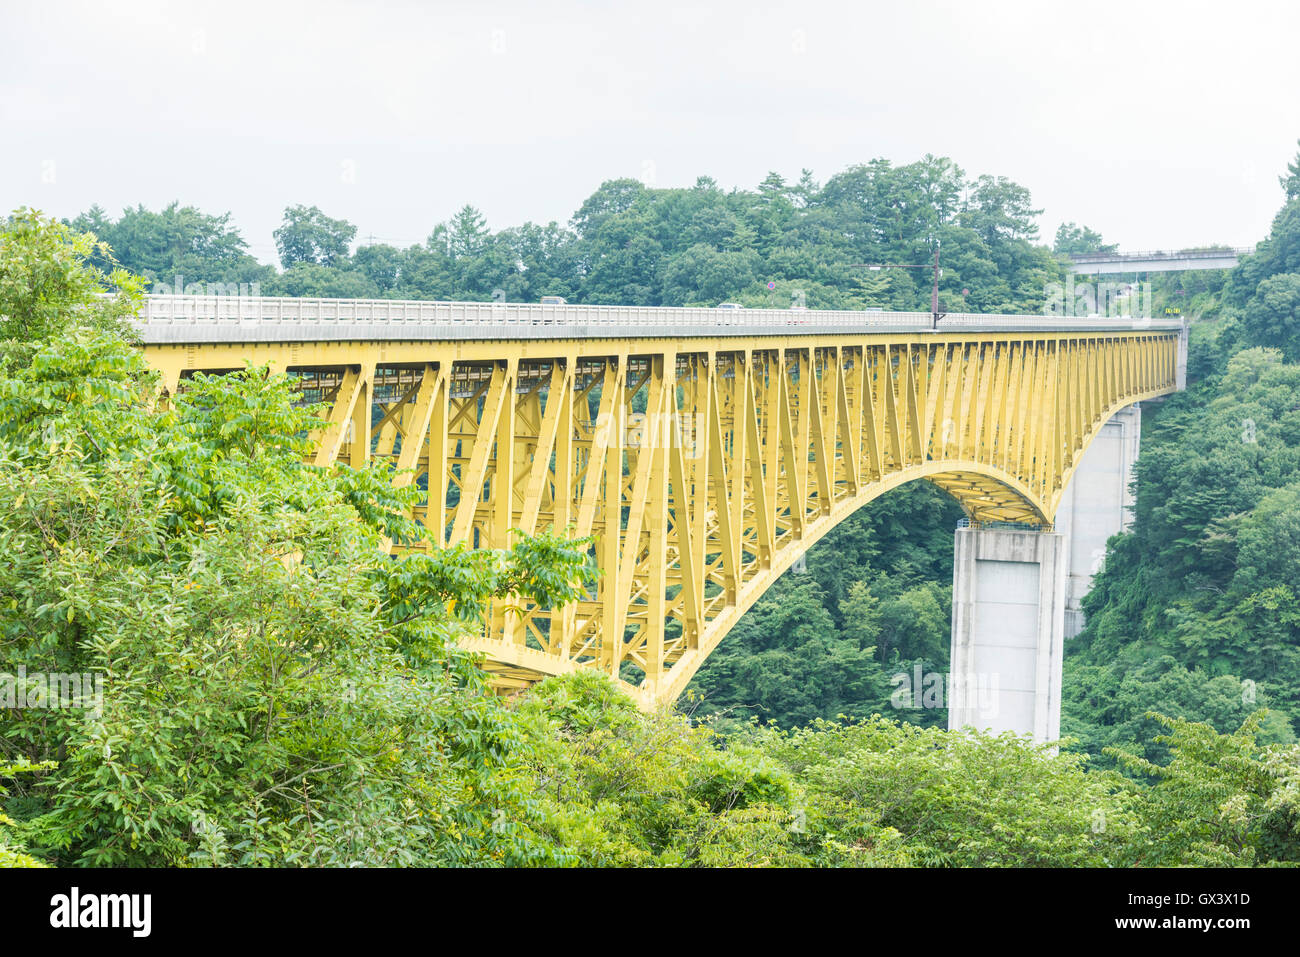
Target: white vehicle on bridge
554, 301
729, 308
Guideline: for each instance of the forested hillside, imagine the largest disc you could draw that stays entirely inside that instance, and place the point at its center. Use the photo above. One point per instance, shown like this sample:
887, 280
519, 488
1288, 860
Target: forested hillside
278, 691
633, 245
1196, 611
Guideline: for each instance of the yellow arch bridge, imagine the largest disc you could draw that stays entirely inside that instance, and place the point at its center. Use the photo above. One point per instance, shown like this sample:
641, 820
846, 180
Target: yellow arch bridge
704, 450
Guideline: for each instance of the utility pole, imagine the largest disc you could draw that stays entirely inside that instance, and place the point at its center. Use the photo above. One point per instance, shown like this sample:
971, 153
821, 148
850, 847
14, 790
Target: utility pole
934, 292
935, 315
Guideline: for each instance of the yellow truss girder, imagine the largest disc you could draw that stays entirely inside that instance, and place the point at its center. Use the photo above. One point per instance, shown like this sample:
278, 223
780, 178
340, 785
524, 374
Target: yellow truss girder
702, 467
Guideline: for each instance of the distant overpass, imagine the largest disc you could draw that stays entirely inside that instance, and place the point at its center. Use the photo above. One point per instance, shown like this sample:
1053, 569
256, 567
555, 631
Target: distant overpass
1160, 260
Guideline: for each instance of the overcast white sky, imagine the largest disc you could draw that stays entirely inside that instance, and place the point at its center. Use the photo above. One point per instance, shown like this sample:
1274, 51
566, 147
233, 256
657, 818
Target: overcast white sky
1159, 124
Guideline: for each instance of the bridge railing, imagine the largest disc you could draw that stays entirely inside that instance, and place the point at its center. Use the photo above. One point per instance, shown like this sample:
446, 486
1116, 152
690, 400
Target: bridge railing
1205, 252
265, 318
174, 309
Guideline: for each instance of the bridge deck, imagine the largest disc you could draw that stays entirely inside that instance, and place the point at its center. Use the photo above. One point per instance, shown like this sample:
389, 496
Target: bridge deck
225, 319
1184, 260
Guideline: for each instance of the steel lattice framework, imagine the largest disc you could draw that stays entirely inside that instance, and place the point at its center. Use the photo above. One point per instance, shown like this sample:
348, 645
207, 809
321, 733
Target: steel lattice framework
702, 466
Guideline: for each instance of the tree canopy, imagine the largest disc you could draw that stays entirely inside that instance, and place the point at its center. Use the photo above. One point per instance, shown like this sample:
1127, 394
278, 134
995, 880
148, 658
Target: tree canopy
630, 244
278, 690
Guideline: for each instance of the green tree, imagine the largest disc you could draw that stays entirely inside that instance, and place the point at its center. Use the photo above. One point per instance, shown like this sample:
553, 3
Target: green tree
1220, 801
46, 283
1278, 253
468, 235
956, 799
785, 660
1291, 181
12, 852
381, 264
1272, 316
1073, 240
309, 236
703, 275
277, 689
175, 241
1000, 210
618, 788
313, 279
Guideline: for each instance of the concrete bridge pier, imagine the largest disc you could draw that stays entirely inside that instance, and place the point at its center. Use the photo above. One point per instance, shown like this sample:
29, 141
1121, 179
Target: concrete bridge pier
1008, 631
1097, 504
1017, 593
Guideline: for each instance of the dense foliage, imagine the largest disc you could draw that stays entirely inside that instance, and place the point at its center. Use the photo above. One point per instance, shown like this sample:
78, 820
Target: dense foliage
843, 637
615, 788
1196, 611
630, 244
277, 690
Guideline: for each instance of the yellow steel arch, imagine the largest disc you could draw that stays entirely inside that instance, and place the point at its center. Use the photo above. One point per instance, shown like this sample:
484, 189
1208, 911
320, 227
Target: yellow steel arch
705, 466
